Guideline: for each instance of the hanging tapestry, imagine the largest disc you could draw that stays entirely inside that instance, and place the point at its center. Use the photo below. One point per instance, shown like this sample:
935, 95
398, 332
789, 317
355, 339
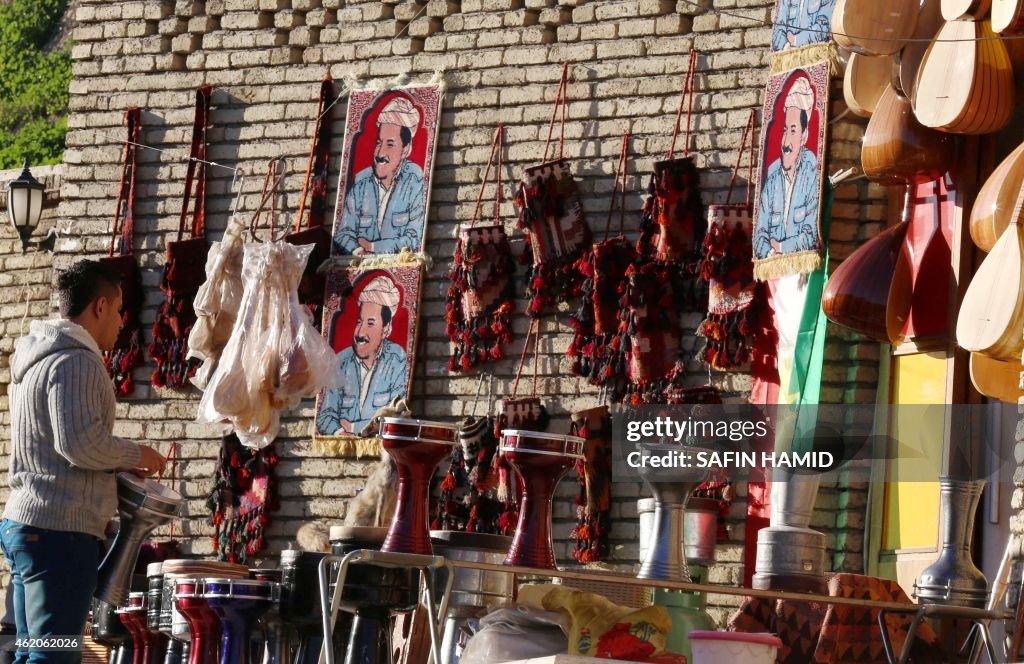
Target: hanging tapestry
551, 215
244, 494
370, 320
386, 167
478, 318
594, 475
184, 270
787, 216
799, 23
126, 354
316, 232
727, 268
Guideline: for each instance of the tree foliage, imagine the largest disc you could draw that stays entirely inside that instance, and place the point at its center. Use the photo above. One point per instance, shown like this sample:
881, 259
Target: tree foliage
33, 83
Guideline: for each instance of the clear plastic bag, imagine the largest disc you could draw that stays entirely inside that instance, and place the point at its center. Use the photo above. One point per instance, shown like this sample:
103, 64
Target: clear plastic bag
274, 357
518, 632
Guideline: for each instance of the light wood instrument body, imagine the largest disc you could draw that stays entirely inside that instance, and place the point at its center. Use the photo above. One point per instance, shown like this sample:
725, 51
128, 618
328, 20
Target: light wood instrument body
953, 10
1008, 16
872, 27
965, 83
907, 61
996, 379
897, 149
870, 291
864, 82
991, 317
993, 208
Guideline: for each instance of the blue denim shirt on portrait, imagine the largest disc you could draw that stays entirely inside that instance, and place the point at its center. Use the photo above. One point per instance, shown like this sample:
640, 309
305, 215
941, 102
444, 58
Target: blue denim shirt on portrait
403, 219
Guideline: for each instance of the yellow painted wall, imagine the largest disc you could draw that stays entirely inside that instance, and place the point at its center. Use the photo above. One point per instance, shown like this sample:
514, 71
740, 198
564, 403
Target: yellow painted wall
912, 508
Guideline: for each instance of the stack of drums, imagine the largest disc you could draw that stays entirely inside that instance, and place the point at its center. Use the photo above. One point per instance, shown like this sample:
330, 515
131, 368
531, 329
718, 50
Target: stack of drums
172, 621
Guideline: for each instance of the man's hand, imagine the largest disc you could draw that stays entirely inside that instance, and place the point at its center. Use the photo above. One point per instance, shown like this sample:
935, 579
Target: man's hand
151, 462
791, 38
776, 247
358, 251
346, 426
366, 245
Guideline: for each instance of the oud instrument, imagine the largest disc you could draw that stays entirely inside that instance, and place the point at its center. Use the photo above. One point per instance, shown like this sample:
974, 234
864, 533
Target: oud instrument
907, 61
897, 149
993, 208
1008, 16
965, 83
953, 10
865, 80
873, 28
997, 379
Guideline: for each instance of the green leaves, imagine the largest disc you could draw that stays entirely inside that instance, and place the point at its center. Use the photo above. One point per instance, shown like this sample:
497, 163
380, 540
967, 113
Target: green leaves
33, 83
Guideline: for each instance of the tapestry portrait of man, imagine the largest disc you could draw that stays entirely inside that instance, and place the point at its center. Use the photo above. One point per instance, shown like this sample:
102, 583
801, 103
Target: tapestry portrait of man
802, 22
374, 368
385, 173
789, 199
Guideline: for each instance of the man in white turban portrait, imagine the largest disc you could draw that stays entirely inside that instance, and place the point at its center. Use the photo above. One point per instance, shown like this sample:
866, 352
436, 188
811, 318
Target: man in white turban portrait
373, 368
787, 219
384, 207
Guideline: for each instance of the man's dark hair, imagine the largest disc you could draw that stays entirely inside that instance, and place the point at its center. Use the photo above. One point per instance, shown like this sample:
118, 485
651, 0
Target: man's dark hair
406, 135
385, 316
81, 284
803, 119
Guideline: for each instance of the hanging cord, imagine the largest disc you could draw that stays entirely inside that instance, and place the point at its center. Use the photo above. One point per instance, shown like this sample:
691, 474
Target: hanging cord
560, 100
171, 460
197, 160
126, 190
321, 134
270, 183
687, 92
620, 172
476, 397
534, 325
748, 131
496, 145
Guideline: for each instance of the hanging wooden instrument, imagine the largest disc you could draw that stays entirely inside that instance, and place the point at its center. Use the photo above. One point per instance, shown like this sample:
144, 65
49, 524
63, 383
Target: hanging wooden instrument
996, 379
965, 84
991, 317
1008, 16
994, 206
873, 28
897, 149
907, 61
870, 292
864, 82
953, 10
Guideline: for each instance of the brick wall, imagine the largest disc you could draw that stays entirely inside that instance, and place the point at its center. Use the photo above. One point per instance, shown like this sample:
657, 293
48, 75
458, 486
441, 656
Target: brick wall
502, 60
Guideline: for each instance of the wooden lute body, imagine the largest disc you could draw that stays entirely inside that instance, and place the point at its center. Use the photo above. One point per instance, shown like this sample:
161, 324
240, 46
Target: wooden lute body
994, 205
953, 10
996, 379
897, 149
874, 28
965, 83
907, 61
864, 82
1008, 16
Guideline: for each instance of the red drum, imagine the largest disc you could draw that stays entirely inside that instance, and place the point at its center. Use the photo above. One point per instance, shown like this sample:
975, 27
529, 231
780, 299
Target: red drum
203, 623
540, 459
133, 617
417, 446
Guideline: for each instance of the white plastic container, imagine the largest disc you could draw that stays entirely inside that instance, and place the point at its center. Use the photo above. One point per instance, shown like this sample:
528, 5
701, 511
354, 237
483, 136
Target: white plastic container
732, 647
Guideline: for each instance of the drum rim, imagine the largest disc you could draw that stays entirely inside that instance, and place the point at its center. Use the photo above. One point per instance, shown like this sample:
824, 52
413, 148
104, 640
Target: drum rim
562, 455
412, 420
134, 483
543, 434
231, 583
198, 583
422, 424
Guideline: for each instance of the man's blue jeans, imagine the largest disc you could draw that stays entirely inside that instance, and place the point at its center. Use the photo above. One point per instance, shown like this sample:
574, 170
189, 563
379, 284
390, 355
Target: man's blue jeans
53, 577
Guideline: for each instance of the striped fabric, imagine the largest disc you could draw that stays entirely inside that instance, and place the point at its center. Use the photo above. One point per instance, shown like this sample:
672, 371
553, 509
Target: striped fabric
62, 417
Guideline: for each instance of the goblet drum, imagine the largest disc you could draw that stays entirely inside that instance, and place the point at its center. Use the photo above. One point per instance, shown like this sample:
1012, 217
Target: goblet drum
203, 623
417, 446
239, 604
300, 604
133, 617
541, 460
276, 644
143, 505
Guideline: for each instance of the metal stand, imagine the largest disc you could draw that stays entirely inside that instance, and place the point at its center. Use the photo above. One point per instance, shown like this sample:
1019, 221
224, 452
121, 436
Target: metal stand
427, 565
981, 618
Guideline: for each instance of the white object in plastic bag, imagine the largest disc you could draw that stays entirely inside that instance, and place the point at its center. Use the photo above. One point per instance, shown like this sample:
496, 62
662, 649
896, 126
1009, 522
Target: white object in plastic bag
518, 632
274, 357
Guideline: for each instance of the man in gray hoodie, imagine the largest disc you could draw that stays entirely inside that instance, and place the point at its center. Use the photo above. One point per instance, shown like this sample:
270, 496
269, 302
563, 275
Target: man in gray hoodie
63, 459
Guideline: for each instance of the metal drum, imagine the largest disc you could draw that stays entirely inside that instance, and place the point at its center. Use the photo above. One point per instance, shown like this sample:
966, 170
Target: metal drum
541, 460
154, 594
133, 617
300, 602
172, 622
671, 486
417, 446
276, 641
143, 505
700, 530
203, 623
239, 604
954, 578
473, 591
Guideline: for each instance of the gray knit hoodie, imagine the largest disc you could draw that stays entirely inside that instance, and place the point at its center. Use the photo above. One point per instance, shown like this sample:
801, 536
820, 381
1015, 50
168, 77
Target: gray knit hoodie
63, 451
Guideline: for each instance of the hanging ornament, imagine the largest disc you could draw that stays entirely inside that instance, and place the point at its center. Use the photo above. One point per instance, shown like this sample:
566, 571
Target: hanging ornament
481, 293
551, 214
594, 475
727, 266
243, 496
184, 270
126, 354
